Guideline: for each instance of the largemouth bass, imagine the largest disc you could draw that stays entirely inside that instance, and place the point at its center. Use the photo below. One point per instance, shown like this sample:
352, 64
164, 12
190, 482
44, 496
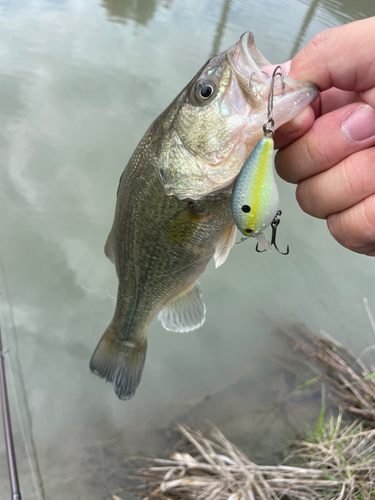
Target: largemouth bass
173, 202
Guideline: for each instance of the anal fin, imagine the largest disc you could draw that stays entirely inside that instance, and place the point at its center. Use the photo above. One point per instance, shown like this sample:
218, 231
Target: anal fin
185, 312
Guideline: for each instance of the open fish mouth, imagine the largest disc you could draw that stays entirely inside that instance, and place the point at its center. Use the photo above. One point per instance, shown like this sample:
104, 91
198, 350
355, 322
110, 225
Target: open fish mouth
208, 160
246, 61
290, 96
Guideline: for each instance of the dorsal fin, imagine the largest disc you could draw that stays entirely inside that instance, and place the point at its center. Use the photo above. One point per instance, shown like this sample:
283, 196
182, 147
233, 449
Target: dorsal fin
108, 248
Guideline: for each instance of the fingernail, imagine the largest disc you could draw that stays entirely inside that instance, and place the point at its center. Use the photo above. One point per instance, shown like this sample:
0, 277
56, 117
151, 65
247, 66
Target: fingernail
360, 125
295, 124
286, 67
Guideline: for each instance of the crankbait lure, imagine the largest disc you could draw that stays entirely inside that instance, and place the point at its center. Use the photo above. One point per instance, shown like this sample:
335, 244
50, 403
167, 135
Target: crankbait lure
255, 198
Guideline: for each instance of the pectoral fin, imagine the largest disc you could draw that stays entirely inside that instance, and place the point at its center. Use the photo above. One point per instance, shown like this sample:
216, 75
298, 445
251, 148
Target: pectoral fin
108, 249
184, 225
185, 312
223, 246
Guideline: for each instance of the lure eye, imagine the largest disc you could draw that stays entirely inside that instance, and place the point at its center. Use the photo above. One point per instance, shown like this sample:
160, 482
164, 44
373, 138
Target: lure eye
204, 90
248, 231
245, 208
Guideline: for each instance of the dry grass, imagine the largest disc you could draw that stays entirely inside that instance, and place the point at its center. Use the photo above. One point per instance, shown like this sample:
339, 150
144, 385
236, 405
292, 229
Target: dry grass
353, 383
339, 465
335, 462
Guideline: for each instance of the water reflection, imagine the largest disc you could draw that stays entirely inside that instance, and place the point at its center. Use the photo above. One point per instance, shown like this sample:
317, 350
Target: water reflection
346, 11
306, 22
139, 11
343, 11
77, 92
220, 26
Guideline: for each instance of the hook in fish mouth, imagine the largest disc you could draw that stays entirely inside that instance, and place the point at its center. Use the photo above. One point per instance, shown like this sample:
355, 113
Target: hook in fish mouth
247, 62
200, 168
297, 95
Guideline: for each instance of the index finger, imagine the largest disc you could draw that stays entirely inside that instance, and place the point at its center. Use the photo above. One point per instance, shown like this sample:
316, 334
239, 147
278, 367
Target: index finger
339, 57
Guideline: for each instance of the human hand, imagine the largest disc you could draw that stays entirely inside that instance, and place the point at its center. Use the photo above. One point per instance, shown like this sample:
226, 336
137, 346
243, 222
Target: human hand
328, 150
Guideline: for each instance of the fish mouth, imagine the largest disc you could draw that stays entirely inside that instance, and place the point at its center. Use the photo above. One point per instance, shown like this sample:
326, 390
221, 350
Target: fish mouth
245, 94
290, 96
246, 61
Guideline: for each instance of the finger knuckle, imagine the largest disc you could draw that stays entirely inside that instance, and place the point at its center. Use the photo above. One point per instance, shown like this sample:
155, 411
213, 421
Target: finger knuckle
305, 197
322, 44
320, 40
368, 214
317, 157
284, 165
341, 229
357, 173
355, 228
351, 176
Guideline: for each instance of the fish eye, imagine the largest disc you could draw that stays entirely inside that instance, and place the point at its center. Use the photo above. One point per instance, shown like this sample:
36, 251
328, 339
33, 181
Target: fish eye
204, 90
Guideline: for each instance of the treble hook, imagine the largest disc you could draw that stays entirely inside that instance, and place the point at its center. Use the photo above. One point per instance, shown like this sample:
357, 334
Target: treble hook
274, 224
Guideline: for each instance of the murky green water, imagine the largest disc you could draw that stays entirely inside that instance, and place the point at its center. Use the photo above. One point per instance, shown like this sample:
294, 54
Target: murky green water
80, 82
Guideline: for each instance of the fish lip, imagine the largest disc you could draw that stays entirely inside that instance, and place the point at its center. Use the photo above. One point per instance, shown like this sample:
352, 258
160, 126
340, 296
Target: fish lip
251, 52
245, 61
293, 85
296, 93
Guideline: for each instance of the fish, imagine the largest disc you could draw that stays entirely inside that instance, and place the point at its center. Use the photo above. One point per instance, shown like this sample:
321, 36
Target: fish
173, 210
255, 197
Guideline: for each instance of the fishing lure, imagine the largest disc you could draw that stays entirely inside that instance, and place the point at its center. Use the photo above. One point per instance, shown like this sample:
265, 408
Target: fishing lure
255, 198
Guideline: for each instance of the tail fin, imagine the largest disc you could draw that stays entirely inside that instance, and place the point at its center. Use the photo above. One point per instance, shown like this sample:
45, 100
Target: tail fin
119, 362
